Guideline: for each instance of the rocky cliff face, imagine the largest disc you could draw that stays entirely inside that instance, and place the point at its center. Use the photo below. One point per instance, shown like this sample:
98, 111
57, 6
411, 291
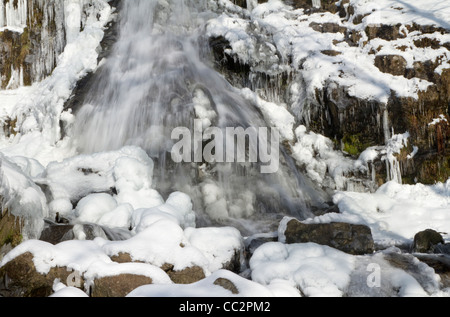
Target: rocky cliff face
32, 35
411, 51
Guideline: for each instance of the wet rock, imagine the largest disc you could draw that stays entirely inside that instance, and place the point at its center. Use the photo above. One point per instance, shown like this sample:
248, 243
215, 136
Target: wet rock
235, 71
118, 286
391, 64
426, 241
408, 263
254, 242
349, 238
55, 234
19, 278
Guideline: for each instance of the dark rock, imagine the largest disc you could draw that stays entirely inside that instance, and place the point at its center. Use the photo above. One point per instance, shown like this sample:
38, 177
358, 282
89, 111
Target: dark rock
392, 64
426, 241
254, 242
234, 264
10, 231
235, 71
227, 284
442, 249
331, 52
187, 276
118, 286
349, 238
328, 27
385, 32
122, 258
55, 234
19, 278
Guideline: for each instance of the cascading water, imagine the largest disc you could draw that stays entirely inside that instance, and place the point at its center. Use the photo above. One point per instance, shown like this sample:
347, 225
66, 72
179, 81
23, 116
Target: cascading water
155, 80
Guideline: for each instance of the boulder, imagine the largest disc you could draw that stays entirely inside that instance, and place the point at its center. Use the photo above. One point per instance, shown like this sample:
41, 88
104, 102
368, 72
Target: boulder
189, 275
426, 241
349, 238
118, 286
392, 64
19, 278
254, 242
55, 234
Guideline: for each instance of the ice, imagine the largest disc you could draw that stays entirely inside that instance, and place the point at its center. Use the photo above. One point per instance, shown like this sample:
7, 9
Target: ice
13, 15
22, 198
43, 175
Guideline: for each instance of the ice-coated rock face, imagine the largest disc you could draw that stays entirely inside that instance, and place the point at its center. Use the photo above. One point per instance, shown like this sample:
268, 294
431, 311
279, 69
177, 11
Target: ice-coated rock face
34, 33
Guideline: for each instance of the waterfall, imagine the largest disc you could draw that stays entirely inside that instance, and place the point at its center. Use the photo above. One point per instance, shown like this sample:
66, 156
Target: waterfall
155, 80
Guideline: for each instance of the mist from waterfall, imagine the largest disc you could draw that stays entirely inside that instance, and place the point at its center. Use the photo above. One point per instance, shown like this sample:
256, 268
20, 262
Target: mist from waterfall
157, 78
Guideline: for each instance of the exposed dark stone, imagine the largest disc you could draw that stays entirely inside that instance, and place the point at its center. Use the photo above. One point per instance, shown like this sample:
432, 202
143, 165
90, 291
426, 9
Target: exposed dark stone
426, 241
187, 276
10, 231
122, 258
331, 52
19, 278
235, 71
118, 286
349, 238
254, 242
328, 27
385, 32
227, 284
55, 234
392, 64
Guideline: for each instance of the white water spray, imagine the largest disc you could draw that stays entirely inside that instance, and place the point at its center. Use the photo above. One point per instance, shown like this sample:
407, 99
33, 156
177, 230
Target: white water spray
151, 84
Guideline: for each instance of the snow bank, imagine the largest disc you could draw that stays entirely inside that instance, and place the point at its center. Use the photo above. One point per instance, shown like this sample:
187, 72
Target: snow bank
395, 213
206, 288
316, 270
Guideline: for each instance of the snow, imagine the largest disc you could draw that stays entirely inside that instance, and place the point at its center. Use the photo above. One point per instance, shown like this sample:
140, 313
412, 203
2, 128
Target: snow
40, 109
395, 212
316, 270
43, 175
435, 121
22, 198
205, 288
